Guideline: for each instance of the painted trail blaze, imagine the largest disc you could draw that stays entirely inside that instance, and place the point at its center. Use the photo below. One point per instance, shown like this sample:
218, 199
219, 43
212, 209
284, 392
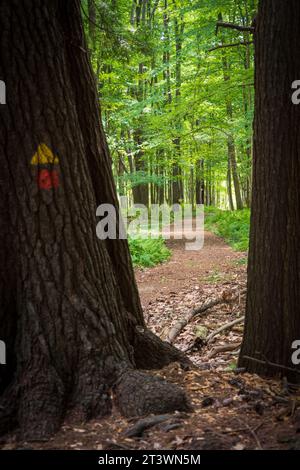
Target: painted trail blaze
46, 178
44, 156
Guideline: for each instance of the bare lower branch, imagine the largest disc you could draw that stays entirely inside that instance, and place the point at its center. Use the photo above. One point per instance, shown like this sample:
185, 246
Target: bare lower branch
222, 24
223, 46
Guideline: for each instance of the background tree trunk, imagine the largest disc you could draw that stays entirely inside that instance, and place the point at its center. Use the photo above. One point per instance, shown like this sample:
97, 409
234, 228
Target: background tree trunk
200, 189
272, 317
232, 163
177, 186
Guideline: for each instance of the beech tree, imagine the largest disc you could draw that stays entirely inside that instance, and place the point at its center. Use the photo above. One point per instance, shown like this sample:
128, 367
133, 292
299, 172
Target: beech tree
70, 313
272, 317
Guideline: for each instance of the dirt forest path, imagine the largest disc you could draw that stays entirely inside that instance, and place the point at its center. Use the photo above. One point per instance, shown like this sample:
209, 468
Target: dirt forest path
187, 269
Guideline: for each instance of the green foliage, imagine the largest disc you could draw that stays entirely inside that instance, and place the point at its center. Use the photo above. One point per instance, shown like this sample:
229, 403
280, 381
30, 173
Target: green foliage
233, 226
140, 177
232, 367
165, 85
148, 252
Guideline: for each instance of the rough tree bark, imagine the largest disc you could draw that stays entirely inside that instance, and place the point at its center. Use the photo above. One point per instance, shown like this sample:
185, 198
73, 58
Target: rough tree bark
69, 307
272, 315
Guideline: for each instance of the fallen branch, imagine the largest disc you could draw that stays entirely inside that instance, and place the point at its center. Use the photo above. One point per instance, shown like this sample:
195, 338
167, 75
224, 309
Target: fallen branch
222, 328
271, 364
235, 44
219, 349
210, 337
222, 24
181, 324
146, 423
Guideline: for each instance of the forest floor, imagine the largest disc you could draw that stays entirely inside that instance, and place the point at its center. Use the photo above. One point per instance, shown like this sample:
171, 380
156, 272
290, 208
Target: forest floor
231, 409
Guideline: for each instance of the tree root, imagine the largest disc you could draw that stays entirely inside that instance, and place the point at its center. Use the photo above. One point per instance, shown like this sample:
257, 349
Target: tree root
150, 352
144, 424
8, 411
138, 394
41, 407
41, 396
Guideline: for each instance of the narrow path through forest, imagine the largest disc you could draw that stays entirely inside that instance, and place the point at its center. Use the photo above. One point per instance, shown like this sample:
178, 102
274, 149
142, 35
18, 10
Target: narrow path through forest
188, 269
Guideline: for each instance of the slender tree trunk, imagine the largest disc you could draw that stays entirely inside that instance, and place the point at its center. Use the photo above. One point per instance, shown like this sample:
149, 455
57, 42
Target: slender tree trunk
166, 54
247, 99
160, 187
178, 190
192, 188
200, 189
272, 315
235, 176
70, 311
229, 185
140, 190
230, 139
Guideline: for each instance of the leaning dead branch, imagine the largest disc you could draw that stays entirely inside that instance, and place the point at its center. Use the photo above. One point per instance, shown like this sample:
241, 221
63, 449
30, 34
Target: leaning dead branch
235, 44
181, 324
222, 328
214, 333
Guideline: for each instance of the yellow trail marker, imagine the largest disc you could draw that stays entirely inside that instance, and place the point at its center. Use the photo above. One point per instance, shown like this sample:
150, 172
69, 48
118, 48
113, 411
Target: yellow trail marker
44, 156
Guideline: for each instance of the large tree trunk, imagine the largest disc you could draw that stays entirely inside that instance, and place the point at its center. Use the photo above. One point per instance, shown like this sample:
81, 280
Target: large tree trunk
69, 307
272, 316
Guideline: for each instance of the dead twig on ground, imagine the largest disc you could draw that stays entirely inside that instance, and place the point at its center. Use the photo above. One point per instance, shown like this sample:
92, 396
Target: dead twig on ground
271, 364
253, 433
225, 347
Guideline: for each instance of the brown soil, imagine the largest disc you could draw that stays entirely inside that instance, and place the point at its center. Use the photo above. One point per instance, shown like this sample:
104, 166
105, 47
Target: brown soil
231, 409
187, 269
